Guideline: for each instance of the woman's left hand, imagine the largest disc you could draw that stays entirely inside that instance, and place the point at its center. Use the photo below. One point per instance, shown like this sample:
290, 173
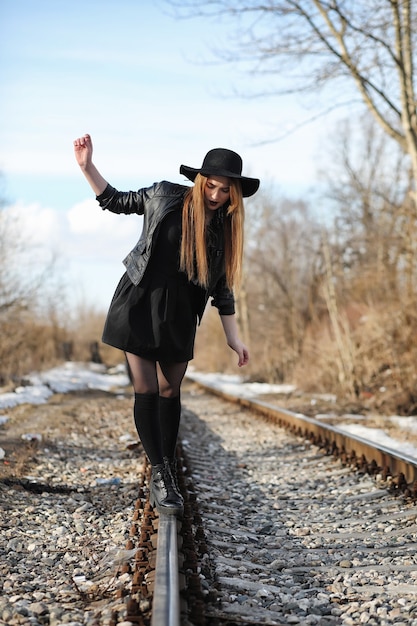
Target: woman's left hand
232, 337
242, 352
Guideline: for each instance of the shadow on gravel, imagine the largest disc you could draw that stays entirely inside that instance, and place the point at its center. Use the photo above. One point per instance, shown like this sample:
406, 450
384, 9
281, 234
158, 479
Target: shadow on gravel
247, 555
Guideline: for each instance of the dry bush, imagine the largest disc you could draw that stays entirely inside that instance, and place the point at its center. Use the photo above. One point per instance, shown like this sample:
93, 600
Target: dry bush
85, 335
387, 354
28, 345
382, 348
320, 367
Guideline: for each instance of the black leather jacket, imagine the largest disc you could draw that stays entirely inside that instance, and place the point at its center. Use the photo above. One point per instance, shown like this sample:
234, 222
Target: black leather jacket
154, 203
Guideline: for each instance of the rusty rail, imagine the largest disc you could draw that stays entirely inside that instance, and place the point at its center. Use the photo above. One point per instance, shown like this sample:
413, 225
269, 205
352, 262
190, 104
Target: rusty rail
366, 455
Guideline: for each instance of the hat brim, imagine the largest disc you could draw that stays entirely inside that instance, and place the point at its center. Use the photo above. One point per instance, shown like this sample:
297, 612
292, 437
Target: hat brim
249, 185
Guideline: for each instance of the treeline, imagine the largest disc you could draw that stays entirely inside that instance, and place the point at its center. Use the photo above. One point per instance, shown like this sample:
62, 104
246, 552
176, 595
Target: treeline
329, 294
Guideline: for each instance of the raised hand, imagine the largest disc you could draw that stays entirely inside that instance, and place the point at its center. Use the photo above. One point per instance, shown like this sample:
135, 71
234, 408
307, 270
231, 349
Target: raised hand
83, 149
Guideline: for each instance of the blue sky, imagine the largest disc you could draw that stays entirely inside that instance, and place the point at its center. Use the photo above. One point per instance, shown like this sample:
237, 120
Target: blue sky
149, 90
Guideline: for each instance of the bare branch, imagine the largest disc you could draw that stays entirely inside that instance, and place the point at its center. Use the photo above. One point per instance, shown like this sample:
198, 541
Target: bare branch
309, 44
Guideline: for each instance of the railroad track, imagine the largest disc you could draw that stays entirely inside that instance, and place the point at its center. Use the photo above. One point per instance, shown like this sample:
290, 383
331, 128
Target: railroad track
286, 521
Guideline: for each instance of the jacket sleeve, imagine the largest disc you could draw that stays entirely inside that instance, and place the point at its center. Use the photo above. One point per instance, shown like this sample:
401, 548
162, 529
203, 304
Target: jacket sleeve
122, 201
223, 298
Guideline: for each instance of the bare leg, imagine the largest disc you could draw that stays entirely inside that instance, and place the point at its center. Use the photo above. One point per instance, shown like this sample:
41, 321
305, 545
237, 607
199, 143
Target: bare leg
170, 376
151, 377
143, 374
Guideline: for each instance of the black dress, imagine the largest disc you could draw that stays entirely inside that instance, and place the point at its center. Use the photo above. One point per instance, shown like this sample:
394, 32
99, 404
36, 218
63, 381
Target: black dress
157, 319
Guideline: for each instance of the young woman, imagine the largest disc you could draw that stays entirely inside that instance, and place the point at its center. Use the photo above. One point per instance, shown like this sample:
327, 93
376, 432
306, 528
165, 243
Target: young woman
190, 250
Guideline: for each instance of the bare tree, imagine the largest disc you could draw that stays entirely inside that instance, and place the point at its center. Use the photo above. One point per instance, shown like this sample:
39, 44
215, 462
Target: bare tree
369, 283
25, 268
370, 44
284, 270
32, 311
368, 188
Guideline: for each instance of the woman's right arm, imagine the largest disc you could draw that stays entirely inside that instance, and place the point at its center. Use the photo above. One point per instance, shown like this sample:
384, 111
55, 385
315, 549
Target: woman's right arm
83, 149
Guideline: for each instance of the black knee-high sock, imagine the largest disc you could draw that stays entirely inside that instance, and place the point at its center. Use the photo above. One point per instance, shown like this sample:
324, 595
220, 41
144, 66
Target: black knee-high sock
147, 424
169, 423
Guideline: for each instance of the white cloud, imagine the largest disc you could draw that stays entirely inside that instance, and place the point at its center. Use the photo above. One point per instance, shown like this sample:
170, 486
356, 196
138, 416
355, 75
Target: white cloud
35, 224
42, 225
84, 230
96, 234
88, 243
86, 218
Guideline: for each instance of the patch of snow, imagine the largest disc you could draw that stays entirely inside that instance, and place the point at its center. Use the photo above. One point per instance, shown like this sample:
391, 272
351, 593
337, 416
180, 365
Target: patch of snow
236, 385
405, 423
63, 379
379, 436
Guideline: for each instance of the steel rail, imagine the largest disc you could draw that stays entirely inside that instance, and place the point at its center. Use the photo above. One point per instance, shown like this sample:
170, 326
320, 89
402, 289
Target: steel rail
366, 453
166, 595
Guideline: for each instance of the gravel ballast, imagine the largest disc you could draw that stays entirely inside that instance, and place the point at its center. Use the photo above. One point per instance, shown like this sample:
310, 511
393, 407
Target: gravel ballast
67, 499
292, 537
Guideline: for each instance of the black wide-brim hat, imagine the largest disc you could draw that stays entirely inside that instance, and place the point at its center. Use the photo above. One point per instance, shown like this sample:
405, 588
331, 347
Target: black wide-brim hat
223, 162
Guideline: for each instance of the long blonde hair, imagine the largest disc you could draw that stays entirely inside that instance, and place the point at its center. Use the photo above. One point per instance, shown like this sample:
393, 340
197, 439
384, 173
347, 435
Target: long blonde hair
193, 256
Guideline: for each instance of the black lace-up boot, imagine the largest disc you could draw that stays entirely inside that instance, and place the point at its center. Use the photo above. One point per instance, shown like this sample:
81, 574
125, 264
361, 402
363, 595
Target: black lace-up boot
163, 492
173, 467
